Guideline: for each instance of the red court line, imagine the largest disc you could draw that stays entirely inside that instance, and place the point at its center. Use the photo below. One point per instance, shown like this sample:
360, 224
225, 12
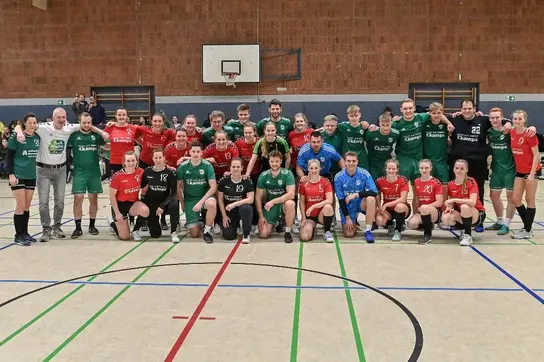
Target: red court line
185, 332
187, 317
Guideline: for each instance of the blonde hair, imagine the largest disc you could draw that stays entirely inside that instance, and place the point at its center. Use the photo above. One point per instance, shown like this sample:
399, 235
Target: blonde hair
427, 161
129, 153
408, 100
391, 160
435, 106
314, 161
330, 117
264, 143
300, 115
385, 117
520, 111
353, 109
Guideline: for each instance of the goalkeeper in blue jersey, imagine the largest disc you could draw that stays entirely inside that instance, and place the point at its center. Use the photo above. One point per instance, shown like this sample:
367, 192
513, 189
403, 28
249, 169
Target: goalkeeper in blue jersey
356, 192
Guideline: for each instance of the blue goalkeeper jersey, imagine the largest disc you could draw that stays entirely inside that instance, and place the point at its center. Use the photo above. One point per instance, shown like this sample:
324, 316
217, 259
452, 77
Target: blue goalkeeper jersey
327, 157
345, 185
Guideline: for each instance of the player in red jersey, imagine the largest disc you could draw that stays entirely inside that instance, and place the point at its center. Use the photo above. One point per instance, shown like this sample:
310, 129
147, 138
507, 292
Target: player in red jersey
177, 152
428, 201
298, 137
527, 160
220, 153
393, 190
193, 132
316, 197
124, 196
122, 137
464, 210
152, 138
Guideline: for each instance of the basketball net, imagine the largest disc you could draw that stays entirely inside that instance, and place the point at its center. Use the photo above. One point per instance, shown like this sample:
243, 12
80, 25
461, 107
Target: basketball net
230, 79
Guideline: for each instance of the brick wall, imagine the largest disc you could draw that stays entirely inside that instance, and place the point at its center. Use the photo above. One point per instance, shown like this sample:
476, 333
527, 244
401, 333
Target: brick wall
348, 46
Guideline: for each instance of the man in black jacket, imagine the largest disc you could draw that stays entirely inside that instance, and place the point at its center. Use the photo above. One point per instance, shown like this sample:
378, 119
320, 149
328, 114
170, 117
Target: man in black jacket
98, 113
79, 105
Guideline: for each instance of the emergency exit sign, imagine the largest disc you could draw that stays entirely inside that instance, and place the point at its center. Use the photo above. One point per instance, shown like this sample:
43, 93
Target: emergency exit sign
510, 98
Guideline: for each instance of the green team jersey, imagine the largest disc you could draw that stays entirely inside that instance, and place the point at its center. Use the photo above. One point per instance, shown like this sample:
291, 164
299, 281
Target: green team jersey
335, 140
275, 186
353, 140
410, 143
502, 160
24, 160
195, 178
283, 127
435, 142
208, 135
85, 148
238, 128
380, 147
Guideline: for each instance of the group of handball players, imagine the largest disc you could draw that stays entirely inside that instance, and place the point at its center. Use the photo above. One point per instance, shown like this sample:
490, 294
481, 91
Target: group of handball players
281, 175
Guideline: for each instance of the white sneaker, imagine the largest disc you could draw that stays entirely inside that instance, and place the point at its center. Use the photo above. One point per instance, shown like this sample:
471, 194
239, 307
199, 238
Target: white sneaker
110, 221
466, 240
136, 236
246, 240
522, 234
295, 230
254, 230
396, 236
217, 229
328, 237
174, 237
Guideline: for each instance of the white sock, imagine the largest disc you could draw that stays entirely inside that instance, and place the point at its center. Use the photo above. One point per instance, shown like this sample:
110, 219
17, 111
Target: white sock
287, 230
499, 221
207, 229
368, 228
507, 222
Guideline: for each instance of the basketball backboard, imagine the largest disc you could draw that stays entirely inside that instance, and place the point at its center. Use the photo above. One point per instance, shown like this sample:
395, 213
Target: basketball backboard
220, 59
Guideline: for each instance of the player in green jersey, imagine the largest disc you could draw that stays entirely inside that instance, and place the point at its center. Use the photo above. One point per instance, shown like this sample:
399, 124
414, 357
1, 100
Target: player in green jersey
21, 168
435, 144
283, 125
380, 145
503, 172
218, 123
196, 187
238, 125
352, 134
274, 197
82, 151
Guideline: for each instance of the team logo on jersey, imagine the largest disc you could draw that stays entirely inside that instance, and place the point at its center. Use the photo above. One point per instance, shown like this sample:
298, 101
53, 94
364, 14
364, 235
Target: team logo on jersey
416, 124
501, 137
440, 126
280, 182
37, 142
163, 138
239, 188
322, 159
358, 182
202, 172
93, 137
362, 131
137, 177
390, 139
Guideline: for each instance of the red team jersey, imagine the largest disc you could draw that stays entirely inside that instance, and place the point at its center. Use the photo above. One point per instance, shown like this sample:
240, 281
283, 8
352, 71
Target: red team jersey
246, 151
314, 193
222, 158
121, 141
521, 149
459, 192
195, 137
172, 154
127, 185
152, 140
296, 141
391, 190
426, 191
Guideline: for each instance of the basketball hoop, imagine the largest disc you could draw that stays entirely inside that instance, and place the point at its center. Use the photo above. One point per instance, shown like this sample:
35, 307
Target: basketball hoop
230, 79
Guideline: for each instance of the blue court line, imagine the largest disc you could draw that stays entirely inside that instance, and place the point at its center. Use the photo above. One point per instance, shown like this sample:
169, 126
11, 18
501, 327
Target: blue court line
510, 276
270, 286
6, 246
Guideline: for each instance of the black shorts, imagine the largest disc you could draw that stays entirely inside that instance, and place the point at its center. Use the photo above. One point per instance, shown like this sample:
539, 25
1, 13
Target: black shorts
124, 207
24, 184
391, 211
524, 175
479, 222
314, 219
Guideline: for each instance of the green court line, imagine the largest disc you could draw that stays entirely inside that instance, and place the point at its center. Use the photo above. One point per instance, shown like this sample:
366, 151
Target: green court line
354, 325
296, 312
105, 307
65, 298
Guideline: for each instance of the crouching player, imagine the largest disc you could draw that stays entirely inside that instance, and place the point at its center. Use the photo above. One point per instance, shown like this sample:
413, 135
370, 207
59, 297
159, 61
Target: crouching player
356, 192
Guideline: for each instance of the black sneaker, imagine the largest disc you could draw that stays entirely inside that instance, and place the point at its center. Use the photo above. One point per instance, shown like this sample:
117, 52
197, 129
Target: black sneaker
208, 238
21, 241
46, 236
93, 230
164, 226
424, 240
144, 227
288, 238
281, 225
77, 233
29, 238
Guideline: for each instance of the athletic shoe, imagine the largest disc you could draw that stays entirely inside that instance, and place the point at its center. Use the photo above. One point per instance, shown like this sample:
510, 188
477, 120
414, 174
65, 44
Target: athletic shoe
360, 227
288, 238
93, 230
164, 226
374, 226
178, 229
466, 240
254, 230
494, 226
328, 237
58, 233
280, 225
246, 240
391, 228
110, 221
46, 236
144, 227
295, 230
208, 238
369, 237
523, 234
29, 238
77, 233
424, 240
479, 229
504, 230
21, 241
174, 237
217, 229
396, 236
136, 236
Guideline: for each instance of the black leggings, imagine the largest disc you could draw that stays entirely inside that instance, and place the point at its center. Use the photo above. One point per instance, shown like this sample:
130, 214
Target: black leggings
153, 221
244, 213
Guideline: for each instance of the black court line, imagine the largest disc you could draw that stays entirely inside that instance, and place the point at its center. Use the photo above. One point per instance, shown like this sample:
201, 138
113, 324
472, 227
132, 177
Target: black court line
418, 331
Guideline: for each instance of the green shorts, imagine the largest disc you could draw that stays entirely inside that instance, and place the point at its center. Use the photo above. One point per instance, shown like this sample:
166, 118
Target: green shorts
193, 218
409, 168
376, 172
441, 171
86, 182
499, 181
274, 214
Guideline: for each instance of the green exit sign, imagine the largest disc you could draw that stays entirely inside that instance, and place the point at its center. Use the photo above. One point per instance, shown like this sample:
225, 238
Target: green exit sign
510, 98
61, 102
